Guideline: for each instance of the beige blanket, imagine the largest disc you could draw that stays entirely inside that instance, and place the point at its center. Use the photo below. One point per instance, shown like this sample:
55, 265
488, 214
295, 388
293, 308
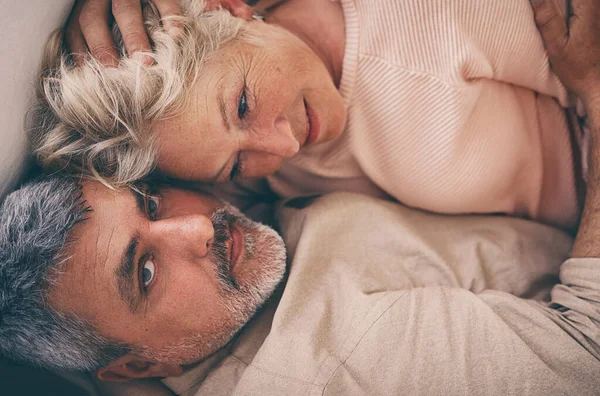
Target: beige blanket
383, 300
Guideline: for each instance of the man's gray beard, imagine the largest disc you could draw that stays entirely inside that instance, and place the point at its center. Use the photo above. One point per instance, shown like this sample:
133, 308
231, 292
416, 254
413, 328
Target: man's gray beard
240, 297
261, 243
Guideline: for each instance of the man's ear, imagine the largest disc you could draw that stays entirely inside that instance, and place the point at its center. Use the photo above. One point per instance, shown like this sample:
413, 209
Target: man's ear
131, 367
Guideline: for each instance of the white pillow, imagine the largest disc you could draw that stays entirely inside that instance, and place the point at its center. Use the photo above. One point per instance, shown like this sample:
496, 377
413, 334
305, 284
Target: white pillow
24, 27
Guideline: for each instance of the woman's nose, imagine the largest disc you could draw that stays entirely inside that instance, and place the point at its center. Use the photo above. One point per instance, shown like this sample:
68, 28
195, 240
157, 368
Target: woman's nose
278, 139
191, 234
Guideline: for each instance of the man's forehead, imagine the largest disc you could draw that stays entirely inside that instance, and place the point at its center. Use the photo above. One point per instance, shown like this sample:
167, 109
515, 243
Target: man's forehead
105, 230
101, 197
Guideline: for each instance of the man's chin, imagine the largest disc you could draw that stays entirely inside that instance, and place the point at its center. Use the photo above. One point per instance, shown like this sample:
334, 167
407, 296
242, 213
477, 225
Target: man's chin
263, 264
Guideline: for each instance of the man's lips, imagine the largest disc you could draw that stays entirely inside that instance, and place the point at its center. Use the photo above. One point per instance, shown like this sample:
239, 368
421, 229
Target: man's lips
237, 246
312, 125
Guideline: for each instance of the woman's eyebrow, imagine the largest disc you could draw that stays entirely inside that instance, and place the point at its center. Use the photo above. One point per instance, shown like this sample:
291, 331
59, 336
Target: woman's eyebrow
140, 201
223, 108
219, 173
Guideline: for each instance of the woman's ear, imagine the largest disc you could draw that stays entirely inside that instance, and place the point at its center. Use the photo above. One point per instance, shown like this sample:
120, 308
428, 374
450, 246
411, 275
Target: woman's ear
131, 367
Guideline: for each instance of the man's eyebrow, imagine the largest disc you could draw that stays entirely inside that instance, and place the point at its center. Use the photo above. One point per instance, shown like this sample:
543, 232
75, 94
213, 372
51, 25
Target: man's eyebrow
125, 272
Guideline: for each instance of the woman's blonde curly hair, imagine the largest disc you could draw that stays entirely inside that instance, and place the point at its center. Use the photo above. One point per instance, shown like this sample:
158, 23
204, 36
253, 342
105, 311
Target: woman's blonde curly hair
94, 121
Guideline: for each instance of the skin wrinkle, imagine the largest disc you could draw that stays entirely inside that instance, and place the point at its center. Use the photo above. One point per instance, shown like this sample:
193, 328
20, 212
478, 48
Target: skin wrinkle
97, 268
256, 83
222, 92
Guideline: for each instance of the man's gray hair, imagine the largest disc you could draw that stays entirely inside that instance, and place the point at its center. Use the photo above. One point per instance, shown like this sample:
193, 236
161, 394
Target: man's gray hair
35, 222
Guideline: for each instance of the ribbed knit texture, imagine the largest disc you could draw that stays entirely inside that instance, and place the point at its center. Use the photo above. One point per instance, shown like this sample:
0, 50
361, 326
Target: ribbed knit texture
452, 108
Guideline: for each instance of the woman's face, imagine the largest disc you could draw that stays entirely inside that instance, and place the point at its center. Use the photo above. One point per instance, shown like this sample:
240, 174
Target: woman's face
252, 107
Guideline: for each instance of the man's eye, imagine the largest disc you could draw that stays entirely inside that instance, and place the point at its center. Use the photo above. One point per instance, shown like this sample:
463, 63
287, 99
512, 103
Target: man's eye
152, 205
242, 105
148, 271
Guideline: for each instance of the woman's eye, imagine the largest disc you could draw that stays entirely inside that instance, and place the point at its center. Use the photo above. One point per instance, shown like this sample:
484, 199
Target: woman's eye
242, 105
148, 273
152, 205
236, 169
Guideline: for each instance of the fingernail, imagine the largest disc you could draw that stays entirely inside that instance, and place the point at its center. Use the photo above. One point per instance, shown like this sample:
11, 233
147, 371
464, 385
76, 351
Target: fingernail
142, 58
176, 32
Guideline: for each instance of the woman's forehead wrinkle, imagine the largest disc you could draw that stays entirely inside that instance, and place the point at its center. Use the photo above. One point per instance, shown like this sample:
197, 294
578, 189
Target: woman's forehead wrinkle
259, 75
257, 85
242, 63
220, 94
211, 90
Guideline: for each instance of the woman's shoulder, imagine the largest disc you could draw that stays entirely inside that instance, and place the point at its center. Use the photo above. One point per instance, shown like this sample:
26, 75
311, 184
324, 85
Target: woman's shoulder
432, 36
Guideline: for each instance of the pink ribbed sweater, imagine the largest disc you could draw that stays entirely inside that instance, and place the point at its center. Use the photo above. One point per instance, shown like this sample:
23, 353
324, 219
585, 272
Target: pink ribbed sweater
452, 108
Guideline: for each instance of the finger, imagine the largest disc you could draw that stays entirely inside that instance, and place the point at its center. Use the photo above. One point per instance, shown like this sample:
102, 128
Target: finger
579, 8
76, 44
128, 14
169, 9
74, 40
551, 23
584, 12
94, 22
238, 8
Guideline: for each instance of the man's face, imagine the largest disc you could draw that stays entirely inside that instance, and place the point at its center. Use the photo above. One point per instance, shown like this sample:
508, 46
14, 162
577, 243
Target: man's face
172, 273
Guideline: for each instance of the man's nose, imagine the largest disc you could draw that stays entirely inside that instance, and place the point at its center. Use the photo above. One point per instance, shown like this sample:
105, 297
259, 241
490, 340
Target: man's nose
278, 139
191, 234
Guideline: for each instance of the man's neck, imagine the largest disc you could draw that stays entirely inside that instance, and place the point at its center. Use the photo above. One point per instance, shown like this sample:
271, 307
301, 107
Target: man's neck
320, 24
243, 346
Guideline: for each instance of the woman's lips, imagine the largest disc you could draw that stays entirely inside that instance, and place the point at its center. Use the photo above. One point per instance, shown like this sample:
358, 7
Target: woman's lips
237, 246
312, 125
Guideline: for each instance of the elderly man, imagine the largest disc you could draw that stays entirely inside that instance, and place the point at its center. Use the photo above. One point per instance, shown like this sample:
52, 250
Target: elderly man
379, 299
162, 282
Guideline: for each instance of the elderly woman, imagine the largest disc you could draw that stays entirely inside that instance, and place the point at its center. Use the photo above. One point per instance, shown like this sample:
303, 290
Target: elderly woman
448, 106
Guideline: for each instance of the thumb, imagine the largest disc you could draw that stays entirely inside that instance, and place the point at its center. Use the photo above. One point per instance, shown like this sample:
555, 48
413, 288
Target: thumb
551, 23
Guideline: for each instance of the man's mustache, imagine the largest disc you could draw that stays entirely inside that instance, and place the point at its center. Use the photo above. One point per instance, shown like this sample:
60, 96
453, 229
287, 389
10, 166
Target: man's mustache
222, 220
